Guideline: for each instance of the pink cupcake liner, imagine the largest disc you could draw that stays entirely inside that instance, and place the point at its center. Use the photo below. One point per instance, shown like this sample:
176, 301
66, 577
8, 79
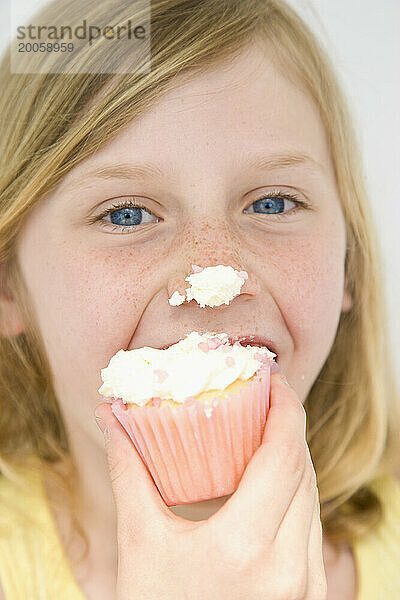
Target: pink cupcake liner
198, 451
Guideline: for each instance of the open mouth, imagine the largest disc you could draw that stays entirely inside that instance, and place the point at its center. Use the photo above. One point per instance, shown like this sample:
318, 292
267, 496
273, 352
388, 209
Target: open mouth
244, 340
254, 340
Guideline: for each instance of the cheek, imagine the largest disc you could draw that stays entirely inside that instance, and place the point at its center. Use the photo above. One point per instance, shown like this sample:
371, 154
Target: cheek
303, 274
88, 303
312, 278
308, 285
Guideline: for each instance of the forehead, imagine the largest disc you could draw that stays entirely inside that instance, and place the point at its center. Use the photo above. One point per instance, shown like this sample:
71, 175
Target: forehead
241, 107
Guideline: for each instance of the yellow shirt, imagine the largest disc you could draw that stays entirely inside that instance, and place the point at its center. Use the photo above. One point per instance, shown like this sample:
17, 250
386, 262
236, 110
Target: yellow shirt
33, 565
377, 554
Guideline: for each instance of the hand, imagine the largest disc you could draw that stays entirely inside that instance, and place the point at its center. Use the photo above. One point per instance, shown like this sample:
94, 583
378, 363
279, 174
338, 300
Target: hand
265, 541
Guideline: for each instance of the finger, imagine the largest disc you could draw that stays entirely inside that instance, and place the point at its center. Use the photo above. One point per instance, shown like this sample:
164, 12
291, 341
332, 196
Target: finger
292, 539
316, 579
139, 505
296, 522
274, 472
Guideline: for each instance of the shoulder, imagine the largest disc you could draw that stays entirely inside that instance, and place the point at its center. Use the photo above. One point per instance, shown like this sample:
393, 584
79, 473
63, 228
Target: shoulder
20, 522
393, 476
397, 475
20, 503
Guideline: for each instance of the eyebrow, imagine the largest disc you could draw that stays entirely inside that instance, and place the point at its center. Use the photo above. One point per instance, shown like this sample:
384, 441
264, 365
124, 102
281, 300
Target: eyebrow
147, 169
126, 171
282, 160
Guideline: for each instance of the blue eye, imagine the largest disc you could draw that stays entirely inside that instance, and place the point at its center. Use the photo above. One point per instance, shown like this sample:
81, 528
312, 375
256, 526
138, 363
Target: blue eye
274, 204
125, 215
129, 214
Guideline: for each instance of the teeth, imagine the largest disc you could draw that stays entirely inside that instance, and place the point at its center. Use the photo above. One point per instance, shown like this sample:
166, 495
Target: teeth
245, 343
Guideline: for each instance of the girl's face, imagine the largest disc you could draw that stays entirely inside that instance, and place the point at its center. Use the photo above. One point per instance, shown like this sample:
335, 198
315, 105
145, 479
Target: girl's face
208, 152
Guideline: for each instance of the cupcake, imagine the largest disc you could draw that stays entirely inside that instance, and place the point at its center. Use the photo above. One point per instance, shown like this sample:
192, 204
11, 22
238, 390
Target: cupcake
195, 411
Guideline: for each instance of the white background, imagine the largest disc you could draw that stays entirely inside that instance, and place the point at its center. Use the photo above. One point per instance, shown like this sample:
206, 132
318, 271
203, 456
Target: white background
363, 38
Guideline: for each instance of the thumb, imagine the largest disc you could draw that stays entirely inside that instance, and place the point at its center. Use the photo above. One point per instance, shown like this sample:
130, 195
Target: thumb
140, 507
272, 476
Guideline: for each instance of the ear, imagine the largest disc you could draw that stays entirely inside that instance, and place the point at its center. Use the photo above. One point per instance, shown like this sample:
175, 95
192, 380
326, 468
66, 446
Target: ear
11, 323
347, 302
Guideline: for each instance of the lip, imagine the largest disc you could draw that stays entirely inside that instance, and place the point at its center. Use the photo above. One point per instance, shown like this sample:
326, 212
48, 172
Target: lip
244, 340
255, 340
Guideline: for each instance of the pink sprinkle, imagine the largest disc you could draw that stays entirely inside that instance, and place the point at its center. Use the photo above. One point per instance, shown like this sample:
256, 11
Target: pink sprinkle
156, 402
214, 343
197, 269
162, 375
243, 274
230, 361
203, 346
274, 367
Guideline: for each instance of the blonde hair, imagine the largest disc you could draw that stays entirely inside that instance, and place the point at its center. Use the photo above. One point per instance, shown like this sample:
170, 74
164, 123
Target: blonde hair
51, 122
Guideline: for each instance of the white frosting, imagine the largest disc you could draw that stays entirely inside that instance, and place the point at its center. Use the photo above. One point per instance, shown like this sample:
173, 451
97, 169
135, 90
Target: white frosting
211, 286
184, 369
176, 299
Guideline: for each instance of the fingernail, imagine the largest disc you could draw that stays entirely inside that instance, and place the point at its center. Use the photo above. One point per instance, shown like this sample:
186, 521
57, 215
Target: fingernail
100, 423
104, 429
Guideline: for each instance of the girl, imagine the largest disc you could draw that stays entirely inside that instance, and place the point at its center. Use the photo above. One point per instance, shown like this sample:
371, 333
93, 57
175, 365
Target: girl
235, 148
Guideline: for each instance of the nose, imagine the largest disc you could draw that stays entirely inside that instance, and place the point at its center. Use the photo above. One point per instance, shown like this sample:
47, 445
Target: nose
251, 286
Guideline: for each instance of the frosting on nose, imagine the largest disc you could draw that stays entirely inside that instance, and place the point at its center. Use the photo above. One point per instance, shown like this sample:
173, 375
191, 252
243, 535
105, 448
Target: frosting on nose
212, 286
